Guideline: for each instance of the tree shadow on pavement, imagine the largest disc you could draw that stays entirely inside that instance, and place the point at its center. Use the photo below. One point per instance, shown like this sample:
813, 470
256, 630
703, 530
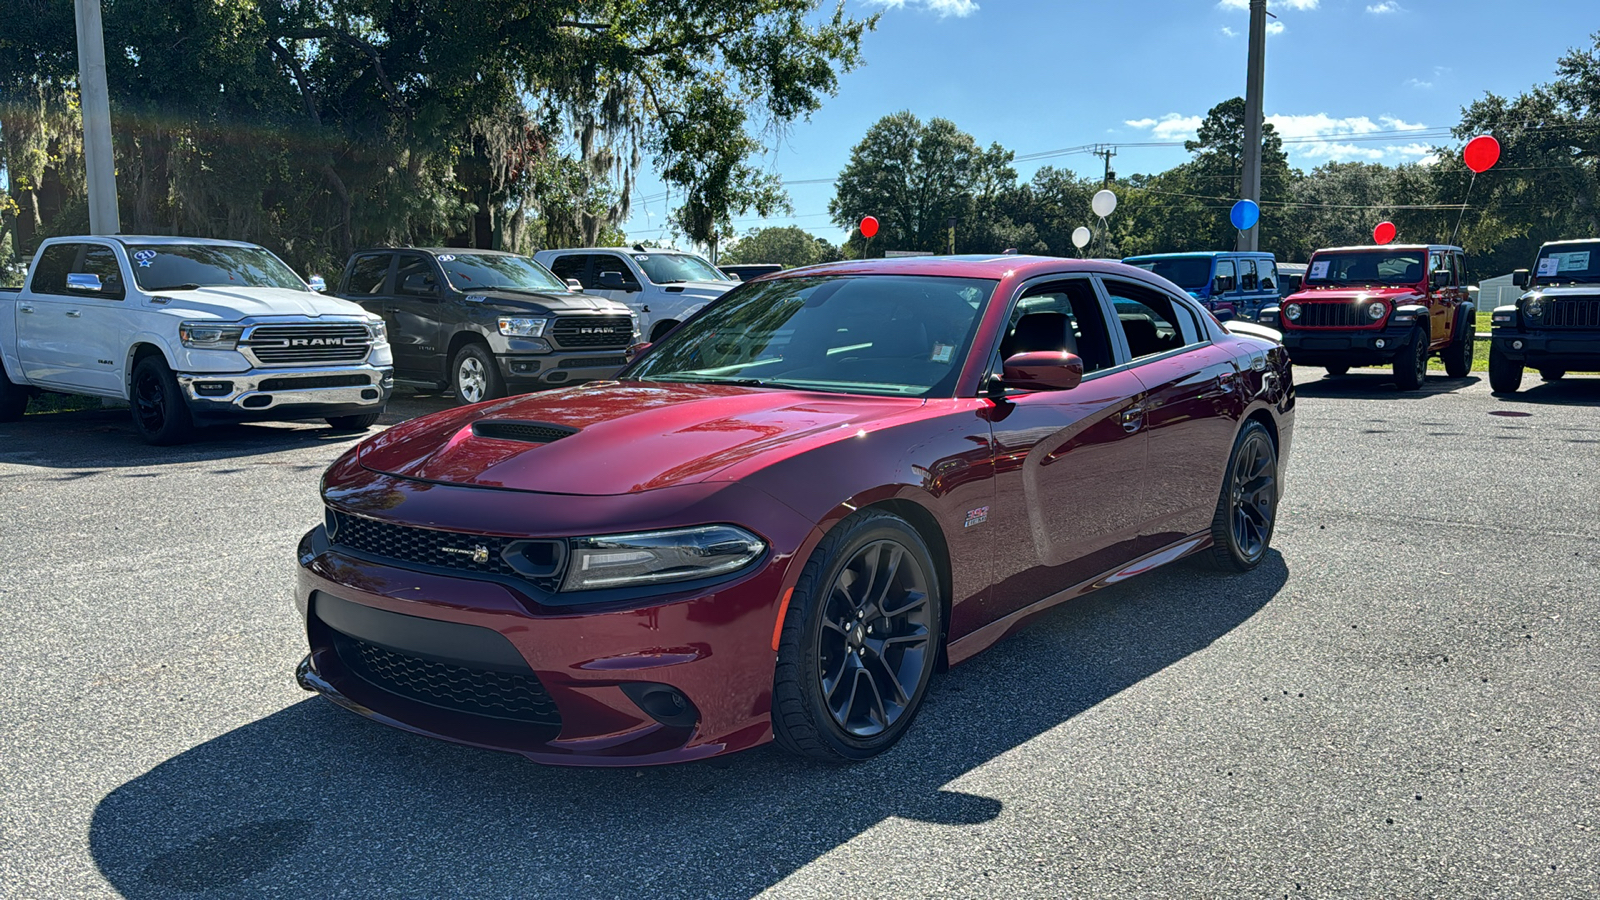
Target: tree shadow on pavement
314, 801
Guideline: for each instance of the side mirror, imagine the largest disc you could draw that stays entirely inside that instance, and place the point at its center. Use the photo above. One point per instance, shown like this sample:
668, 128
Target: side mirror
612, 281
316, 283
84, 281
637, 350
1440, 279
1042, 370
1223, 284
1520, 278
574, 285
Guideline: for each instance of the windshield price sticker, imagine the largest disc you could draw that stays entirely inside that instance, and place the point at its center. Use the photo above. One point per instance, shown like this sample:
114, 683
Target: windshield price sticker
642, 258
1548, 266
1319, 270
1576, 261
144, 255
942, 352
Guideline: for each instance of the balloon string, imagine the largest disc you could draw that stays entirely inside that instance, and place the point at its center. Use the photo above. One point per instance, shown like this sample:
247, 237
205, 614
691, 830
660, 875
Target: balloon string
1461, 215
1105, 239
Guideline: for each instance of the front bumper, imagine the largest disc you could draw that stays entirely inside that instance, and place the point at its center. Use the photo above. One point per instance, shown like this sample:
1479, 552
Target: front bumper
1570, 349
1349, 347
528, 371
278, 394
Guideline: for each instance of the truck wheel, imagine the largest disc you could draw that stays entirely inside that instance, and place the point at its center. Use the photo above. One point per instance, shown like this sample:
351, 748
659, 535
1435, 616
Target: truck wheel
1505, 374
1241, 528
1337, 371
1411, 367
13, 399
660, 329
354, 423
160, 414
474, 377
1552, 374
1458, 356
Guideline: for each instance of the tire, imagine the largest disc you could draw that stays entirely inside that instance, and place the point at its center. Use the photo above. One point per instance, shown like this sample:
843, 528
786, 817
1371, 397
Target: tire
885, 663
1505, 374
474, 376
1552, 374
13, 398
660, 329
160, 412
1411, 368
354, 423
1458, 356
1247, 510
1338, 371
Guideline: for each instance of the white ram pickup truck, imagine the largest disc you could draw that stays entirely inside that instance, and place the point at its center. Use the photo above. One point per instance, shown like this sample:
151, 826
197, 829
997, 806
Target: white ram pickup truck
189, 332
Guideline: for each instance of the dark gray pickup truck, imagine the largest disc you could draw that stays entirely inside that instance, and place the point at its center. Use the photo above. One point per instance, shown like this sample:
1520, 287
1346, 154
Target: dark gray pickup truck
486, 324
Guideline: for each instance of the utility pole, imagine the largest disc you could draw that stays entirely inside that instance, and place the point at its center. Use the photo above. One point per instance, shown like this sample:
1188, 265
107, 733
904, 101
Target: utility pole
96, 102
1105, 152
950, 223
1254, 85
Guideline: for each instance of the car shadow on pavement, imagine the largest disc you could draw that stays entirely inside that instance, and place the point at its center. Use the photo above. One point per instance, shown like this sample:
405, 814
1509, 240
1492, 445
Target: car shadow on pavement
1573, 390
1375, 384
314, 801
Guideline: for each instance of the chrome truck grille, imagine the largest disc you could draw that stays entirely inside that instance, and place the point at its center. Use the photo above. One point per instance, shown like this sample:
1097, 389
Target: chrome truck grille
306, 345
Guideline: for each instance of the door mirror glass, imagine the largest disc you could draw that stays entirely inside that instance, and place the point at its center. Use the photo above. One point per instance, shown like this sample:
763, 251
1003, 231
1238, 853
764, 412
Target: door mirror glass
83, 281
1042, 370
575, 285
1520, 278
1441, 278
1223, 284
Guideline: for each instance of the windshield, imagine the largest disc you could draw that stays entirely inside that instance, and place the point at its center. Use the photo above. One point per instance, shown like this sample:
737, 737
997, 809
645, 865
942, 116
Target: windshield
1188, 272
890, 335
673, 268
487, 271
1367, 267
172, 267
1568, 263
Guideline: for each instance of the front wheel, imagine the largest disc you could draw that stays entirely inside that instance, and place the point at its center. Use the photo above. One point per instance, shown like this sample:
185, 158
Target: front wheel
1411, 366
354, 423
13, 399
1552, 374
1247, 511
859, 641
1505, 373
1458, 356
473, 375
160, 413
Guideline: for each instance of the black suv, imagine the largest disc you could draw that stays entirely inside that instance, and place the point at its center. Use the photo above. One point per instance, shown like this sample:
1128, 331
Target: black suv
484, 323
1555, 326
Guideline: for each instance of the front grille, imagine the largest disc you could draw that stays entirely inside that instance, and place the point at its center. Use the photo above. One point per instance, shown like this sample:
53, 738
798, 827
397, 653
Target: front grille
1333, 315
307, 345
601, 332
321, 381
1571, 313
540, 560
527, 432
594, 362
482, 692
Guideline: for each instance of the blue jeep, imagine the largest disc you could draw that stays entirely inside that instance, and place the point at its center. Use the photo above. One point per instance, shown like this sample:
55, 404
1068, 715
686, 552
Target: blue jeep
1230, 283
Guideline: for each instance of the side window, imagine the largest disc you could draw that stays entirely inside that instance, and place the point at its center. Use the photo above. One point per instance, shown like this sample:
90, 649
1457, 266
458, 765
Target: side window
1151, 321
1456, 266
571, 266
1269, 275
605, 262
1061, 315
50, 275
1247, 274
102, 261
367, 274
1435, 263
414, 277
1225, 269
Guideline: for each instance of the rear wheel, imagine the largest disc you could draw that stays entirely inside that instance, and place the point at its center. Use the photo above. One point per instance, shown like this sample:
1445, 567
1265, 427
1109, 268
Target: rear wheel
859, 641
1411, 366
473, 375
1552, 374
1247, 511
160, 413
354, 423
13, 399
1458, 356
1505, 373
1337, 371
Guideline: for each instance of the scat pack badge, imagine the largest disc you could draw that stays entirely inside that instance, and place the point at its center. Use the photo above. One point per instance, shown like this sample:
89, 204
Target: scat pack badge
977, 516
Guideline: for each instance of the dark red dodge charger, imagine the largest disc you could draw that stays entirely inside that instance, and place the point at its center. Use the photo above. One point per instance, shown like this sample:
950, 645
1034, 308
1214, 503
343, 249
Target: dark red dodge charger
781, 519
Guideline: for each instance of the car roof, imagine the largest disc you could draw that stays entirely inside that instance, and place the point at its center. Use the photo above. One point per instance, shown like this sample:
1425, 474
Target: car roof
1570, 241
167, 239
1392, 247
1193, 253
991, 266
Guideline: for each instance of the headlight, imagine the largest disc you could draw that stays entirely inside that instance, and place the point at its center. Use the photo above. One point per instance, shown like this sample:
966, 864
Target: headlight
378, 331
1377, 310
1292, 312
1533, 307
634, 317
209, 336
515, 326
621, 560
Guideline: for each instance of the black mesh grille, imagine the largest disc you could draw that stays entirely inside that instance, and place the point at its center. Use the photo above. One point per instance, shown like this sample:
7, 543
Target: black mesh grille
480, 692
1333, 315
610, 332
594, 362
540, 560
322, 381
528, 432
1572, 313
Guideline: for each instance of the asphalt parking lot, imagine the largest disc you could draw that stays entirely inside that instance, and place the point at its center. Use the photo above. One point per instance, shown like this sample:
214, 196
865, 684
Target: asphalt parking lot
1401, 702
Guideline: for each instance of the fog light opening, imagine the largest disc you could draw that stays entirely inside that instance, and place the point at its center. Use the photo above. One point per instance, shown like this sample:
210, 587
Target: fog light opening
259, 401
556, 377
524, 367
369, 394
664, 703
1516, 345
1379, 343
213, 388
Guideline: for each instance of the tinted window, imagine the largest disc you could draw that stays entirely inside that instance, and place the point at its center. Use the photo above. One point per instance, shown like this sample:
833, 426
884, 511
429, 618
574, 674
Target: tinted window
868, 334
1366, 267
673, 268
571, 266
1148, 319
50, 276
414, 277
168, 267
1568, 263
1187, 272
1269, 275
477, 271
102, 261
1247, 274
367, 274
1063, 315
1225, 269
605, 262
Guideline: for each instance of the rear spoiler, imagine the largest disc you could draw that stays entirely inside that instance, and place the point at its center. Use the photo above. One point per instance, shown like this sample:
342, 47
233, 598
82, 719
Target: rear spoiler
1251, 329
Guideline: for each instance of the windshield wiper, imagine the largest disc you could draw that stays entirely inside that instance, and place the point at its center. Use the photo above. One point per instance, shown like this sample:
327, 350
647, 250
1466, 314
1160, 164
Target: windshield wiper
186, 286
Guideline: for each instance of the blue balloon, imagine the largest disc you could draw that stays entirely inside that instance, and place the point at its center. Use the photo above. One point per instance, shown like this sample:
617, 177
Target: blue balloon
1245, 215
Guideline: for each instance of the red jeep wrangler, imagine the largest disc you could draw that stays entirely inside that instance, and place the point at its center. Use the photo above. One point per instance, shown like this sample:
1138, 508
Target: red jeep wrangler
1363, 306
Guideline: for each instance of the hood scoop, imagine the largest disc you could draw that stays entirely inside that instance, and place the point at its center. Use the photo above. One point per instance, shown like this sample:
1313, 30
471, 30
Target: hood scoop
526, 432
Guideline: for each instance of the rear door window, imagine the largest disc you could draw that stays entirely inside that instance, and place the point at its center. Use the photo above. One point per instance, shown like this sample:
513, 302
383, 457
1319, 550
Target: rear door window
50, 275
1247, 274
572, 265
1225, 269
1269, 275
1151, 322
367, 274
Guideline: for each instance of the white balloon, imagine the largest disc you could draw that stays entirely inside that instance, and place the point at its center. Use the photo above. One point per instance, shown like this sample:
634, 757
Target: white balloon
1104, 203
1081, 237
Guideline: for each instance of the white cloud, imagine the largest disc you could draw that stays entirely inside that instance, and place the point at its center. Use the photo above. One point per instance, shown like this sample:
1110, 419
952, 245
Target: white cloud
958, 8
1313, 138
1281, 4
1170, 127
1384, 8
1419, 83
1274, 27
1229, 32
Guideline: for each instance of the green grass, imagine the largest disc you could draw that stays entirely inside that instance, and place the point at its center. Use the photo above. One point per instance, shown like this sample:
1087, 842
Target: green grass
1483, 322
1480, 357
47, 402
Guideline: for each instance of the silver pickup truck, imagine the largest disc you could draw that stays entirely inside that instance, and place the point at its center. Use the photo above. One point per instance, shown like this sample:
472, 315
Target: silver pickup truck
189, 332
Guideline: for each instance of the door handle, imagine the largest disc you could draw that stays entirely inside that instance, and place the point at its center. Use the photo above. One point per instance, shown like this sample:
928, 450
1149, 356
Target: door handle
25, 307
74, 314
1132, 419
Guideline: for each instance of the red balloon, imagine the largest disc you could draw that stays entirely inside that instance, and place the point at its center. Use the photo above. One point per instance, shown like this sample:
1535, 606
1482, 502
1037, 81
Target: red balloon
1384, 233
869, 226
1482, 153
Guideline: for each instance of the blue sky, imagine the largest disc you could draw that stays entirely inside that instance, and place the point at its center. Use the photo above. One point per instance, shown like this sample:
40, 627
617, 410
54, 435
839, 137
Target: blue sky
1042, 75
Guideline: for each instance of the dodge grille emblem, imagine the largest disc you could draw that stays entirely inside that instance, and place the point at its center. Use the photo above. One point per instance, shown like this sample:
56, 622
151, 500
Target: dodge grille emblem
478, 554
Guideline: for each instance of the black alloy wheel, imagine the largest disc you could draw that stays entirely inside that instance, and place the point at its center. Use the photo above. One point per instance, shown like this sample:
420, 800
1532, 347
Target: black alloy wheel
1247, 511
1337, 371
1458, 356
1552, 374
13, 398
1411, 367
160, 413
859, 642
1505, 373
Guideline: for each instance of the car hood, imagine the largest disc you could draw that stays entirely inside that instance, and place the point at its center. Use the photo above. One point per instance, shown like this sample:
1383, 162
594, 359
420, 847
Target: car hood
1566, 291
701, 288
622, 437
1394, 294
231, 304
552, 302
